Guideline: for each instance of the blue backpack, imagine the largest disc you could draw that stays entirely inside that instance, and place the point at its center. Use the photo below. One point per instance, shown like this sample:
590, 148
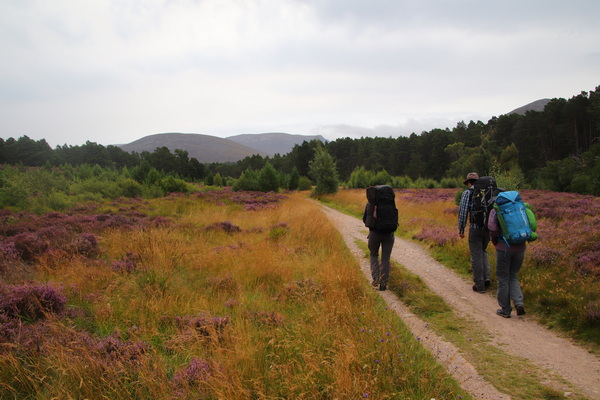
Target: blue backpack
516, 219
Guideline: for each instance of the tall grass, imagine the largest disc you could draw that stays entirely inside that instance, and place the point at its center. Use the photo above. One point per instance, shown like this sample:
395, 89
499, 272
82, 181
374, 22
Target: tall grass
561, 273
224, 298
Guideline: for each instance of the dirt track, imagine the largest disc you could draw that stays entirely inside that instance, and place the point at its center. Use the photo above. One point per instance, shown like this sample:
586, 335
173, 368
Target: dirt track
520, 336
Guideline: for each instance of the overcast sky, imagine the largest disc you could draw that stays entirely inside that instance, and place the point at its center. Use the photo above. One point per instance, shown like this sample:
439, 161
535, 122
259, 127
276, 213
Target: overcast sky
113, 71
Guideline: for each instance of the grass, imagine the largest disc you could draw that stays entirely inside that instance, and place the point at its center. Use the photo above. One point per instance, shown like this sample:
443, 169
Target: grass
220, 302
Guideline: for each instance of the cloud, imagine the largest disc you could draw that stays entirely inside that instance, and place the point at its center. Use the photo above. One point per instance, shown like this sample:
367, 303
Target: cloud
115, 71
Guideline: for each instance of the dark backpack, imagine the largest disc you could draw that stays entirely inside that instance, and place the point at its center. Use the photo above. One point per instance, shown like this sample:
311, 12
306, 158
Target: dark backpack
381, 213
483, 195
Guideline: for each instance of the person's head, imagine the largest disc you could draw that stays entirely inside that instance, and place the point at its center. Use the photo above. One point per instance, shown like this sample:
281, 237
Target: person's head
471, 178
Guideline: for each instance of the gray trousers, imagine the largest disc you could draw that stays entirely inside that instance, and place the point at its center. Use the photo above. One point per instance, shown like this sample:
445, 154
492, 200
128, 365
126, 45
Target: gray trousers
479, 238
380, 272
508, 266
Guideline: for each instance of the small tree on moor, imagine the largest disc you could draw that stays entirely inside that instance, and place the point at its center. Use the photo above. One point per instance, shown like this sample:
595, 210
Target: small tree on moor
324, 172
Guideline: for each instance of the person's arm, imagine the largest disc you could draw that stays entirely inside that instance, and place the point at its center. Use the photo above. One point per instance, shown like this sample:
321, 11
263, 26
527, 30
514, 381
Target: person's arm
493, 226
463, 211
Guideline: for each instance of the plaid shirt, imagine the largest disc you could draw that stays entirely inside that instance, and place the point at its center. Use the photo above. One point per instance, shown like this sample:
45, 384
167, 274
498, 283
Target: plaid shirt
463, 210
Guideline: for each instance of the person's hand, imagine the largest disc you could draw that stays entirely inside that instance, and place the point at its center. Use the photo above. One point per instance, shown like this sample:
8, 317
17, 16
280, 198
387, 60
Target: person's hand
462, 235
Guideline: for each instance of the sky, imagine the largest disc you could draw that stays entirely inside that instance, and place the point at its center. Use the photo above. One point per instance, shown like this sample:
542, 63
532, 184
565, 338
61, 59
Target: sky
114, 71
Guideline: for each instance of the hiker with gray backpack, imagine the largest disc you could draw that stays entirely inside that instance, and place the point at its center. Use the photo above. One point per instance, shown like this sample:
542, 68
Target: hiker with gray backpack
381, 217
512, 224
475, 205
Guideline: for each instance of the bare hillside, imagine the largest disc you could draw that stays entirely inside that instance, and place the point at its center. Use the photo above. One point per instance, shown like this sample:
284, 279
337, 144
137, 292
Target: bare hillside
205, 148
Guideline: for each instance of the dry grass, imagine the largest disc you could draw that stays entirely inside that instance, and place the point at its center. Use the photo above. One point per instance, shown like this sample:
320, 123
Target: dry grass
222, 303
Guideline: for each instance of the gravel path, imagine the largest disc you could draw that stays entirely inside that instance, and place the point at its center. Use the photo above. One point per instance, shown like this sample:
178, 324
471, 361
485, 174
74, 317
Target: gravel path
517, 335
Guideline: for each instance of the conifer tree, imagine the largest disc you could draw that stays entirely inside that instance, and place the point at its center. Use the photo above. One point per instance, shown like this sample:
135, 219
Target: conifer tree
268, 180
324, 172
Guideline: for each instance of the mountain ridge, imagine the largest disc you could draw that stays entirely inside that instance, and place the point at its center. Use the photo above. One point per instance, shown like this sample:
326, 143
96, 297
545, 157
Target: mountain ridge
204, 148
537, 105
213, 149
274, 142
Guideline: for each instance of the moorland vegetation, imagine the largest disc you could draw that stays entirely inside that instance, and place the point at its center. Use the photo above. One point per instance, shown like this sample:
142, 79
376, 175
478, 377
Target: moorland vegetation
212, 294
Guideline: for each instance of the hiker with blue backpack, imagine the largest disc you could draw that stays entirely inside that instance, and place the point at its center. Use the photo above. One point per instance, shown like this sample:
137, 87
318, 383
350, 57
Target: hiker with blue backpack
473, 205
511, 224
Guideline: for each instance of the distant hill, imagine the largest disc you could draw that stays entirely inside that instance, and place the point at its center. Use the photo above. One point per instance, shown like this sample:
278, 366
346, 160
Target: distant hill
209, 149
537, 105
205, 148
212, 149
274, 143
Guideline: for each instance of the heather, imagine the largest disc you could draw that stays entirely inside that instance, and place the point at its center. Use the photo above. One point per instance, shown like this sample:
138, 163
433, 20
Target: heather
26, 237
561, 273
214, 294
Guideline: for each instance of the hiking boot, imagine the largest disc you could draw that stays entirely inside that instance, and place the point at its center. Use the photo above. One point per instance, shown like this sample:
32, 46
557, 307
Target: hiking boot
520, 310
502, 314
382, 287
488, 283
375, 284
475, 289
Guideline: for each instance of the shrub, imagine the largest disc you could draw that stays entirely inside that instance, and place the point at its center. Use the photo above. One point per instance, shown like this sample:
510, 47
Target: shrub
278, 231
131, 188
304, 183
127, 264
171, 185
31, 301
324, 172
8, 252
438, 235
192, 376
268, 179
294, 179
248, 181
224, 226
359, 179
58, 201
29, 245
381, 178
402, 182
87, 245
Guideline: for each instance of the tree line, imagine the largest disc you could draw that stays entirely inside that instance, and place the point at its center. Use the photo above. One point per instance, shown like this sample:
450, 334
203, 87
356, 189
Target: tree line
556, 149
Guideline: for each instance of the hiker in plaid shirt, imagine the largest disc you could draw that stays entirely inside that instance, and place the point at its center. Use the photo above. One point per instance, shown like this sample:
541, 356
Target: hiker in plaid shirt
479, 238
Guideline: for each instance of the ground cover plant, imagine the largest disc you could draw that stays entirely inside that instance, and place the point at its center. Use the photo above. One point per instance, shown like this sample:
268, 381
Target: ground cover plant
561, 273
44, 189
217, 294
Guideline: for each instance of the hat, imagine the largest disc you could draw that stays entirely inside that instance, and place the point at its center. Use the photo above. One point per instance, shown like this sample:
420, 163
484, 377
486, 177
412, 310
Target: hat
471, 176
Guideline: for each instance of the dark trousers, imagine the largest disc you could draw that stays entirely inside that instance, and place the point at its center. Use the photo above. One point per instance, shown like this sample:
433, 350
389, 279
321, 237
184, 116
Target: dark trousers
508, 266
380, 272
479, 238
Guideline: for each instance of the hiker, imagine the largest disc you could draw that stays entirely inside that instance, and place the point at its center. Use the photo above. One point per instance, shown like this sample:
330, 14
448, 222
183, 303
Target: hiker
381, 217
479, 237
509, 260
